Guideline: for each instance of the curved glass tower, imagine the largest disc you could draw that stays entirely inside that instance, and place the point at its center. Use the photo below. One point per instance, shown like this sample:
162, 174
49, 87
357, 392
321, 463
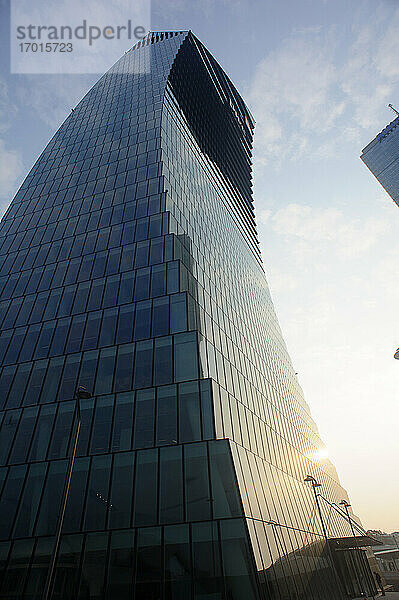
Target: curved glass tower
130, 265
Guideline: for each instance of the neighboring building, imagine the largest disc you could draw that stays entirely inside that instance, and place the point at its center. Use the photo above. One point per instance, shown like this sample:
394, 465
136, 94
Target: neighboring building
130, 265
381, 156
387, 556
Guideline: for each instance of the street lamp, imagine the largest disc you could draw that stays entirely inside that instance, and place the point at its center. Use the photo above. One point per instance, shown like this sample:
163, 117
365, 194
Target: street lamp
346, 505
315, 484
81, 393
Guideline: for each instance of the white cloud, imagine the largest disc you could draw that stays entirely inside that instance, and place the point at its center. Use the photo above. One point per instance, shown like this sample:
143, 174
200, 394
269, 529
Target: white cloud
10, 160
308, 98
324, 226
10, 171
63, 91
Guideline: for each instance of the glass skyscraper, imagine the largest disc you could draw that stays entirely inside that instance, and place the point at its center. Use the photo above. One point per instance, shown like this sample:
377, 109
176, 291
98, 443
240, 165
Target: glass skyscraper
130, 265
381, 156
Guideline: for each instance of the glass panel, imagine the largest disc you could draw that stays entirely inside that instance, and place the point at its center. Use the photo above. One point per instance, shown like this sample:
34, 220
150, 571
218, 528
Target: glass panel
67, 568
120, 566
62, 430
24, 434
177, 563
223, 482
124, 368
88, 369
208, 427
144, 421
189, 412
105, 372
50, 387
166, 421
18, 566
30, 500
10, 499
42, 433
171, 484
51, 500
97, 505
121, 490
163, 366
145, 495
7, 433
160, 316
102, 425
186, 356
38, 373
206, 562
18, 387
123, 421
178, 313
93, 567
196, 475
125, 324
149, 561
69, 377
143, 364
237, 560
76, 495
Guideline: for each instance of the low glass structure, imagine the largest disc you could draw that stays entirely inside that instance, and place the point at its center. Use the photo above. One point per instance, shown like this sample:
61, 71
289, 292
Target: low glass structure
130, 265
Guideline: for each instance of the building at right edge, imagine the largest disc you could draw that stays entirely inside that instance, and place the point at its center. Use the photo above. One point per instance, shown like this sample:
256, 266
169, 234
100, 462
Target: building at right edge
205, 496
381, 156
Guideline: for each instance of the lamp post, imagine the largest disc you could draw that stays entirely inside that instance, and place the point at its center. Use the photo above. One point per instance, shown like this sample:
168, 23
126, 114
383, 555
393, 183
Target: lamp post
315, 484
346, 505
81, 394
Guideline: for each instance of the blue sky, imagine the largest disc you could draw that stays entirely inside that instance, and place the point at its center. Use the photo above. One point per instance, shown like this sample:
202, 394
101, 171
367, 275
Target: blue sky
317, 75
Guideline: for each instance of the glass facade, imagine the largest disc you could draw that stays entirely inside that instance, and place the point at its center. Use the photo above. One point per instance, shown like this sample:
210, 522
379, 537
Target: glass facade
129, 264
381, 156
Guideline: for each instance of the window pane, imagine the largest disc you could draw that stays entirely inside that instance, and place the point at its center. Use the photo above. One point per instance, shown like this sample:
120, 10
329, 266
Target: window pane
93, 567
226, 502
196, 482
177, 563
121, 490
120, 566
145, 495
178, 313
51, 500
67, 568
105, 372
97, 505
30, 500
149, 561
171, 484
189, 412
10, 498
206, 562
124, 368
24, 435
143, 364
62, 430
166, 415
186, 356
123, 421
163, 366
102, 425
76, 496
42, 433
